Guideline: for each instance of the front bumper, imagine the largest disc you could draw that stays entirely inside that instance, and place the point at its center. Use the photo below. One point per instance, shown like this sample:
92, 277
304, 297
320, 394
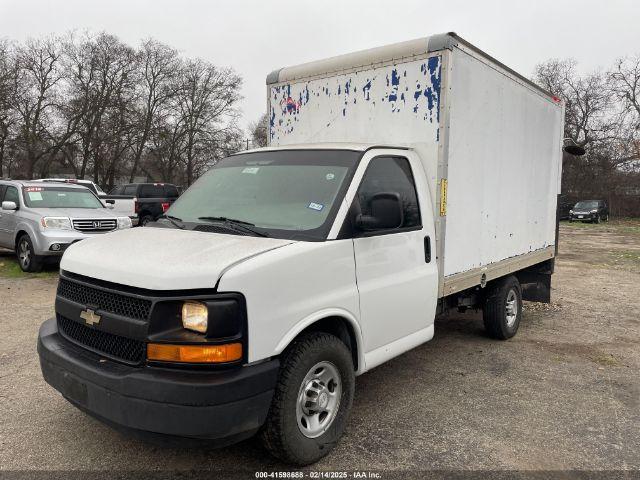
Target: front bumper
227, 405
583, 217
45, 239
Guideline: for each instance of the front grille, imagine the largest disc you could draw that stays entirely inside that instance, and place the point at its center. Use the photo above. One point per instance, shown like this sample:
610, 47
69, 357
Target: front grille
120, 348
95, 225
123, 305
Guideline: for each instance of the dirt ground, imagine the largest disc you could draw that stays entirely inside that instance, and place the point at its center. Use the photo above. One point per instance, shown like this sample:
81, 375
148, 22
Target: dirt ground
564, 394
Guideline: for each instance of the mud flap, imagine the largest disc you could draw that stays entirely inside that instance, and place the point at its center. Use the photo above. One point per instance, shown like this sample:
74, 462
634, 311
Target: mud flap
540, 291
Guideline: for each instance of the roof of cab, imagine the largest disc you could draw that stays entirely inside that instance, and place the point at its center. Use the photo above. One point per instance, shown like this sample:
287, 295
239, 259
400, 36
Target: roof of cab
356, 147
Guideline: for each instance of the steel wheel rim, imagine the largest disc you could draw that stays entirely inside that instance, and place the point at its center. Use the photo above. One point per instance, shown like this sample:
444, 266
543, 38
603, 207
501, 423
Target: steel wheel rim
24, 253
318, 399
511, 308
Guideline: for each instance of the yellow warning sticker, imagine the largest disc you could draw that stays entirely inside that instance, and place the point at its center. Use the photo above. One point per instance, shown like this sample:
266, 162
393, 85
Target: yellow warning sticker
443, 197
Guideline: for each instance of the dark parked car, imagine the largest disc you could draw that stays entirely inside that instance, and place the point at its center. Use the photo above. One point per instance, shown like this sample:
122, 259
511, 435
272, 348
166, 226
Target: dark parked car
593, 211
152, 200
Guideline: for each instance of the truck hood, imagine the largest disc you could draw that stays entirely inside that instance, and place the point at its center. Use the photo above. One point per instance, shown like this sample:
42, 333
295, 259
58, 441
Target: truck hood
76, 212
163, 258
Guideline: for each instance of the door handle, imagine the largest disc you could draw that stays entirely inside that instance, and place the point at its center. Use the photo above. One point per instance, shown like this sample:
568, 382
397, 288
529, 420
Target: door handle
427, 249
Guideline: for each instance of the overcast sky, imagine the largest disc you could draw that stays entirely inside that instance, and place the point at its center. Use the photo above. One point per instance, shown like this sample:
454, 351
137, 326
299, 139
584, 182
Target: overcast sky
257, 36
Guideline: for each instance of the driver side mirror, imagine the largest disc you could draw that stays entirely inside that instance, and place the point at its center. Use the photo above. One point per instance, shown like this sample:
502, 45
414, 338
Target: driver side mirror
9, 205
386, 213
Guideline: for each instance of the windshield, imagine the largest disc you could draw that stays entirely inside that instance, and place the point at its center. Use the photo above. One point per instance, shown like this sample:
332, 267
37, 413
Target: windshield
586, 205
285, 194
60, 197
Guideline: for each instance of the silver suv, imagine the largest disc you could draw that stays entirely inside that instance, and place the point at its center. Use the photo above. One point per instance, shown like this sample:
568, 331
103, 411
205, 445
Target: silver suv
39, 220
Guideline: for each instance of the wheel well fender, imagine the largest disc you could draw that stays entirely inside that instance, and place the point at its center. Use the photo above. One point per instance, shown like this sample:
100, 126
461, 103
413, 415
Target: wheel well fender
19, 234
337, 322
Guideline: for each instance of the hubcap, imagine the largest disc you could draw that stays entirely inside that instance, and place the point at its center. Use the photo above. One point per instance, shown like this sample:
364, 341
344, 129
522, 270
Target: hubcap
24, 253
318, 399
511, 308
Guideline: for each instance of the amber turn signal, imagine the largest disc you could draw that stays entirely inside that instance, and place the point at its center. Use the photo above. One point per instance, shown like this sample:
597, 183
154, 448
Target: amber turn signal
163, 352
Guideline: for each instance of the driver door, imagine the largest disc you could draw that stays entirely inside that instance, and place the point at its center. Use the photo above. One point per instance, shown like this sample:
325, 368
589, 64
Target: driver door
396, 272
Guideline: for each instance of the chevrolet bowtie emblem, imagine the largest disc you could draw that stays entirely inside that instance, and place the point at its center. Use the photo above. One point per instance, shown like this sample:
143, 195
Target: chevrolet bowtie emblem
90, 317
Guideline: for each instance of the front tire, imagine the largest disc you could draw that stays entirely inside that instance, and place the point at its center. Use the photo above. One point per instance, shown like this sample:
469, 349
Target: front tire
502, 309
27, 259
596, 219
312, 400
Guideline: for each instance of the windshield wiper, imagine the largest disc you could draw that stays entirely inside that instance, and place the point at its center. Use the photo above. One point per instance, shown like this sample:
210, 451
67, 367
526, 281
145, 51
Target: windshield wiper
241, 224
175, 221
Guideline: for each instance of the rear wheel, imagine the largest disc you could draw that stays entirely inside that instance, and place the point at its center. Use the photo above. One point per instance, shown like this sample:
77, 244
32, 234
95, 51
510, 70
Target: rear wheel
28, 260
312, 399
502, 310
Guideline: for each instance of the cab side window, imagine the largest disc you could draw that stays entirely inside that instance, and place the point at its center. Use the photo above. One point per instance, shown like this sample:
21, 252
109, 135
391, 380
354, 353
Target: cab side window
130, 189
11, 195
390, 174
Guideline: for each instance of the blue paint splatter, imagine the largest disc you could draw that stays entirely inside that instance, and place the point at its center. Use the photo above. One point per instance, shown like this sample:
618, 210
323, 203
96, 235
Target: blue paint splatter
434, 73
395, 80
366, 90
429, 94
272, 123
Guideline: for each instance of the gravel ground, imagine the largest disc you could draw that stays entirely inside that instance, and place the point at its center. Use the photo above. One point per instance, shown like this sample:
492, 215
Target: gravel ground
564, 394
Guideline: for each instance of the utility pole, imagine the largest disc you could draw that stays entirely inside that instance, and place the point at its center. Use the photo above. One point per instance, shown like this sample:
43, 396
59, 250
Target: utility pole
247, 144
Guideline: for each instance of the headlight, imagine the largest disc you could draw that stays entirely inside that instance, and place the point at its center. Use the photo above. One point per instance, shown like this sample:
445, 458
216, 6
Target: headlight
594, 211
195, 316
571, 212
124, 222
56, 223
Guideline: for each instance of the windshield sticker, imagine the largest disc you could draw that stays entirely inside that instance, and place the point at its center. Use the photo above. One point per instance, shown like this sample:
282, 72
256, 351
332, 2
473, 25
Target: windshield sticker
315, 206
252, 170
33, 189
330, 176
35, 196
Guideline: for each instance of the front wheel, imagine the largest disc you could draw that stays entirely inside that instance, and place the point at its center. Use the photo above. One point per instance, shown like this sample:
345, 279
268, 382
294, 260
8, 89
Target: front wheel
596, 219
312, 400
502, 309
27, 258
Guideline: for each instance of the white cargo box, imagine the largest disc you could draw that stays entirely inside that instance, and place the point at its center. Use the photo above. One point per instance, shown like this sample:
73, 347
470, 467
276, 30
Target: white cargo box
489, 139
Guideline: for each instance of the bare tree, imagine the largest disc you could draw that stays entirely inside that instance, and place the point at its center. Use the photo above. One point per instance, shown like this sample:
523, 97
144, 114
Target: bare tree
7, 92
625, 85
260, 131
159, 65
205, 100
37, 80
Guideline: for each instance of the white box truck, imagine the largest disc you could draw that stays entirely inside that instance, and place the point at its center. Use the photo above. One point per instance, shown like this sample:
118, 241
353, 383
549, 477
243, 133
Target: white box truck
399, 182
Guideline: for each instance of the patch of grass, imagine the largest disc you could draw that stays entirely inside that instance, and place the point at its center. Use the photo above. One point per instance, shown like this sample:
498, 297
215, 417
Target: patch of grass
618, 225
9, 268
606, 360
626, 255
